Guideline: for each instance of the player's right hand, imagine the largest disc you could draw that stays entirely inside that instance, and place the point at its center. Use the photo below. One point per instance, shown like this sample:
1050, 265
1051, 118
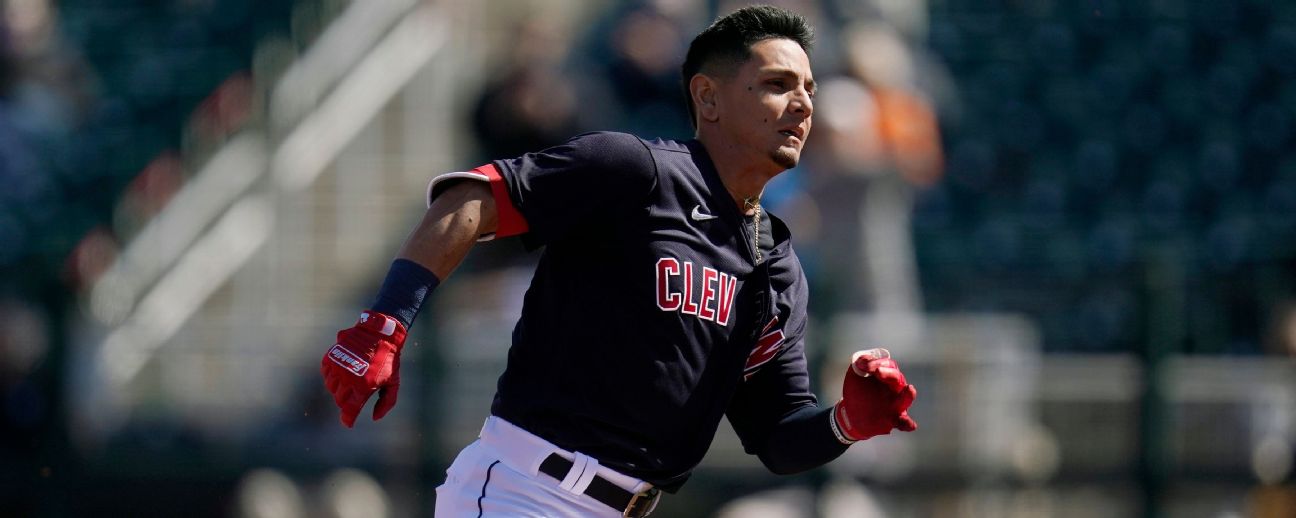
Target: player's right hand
365, 359
875, 397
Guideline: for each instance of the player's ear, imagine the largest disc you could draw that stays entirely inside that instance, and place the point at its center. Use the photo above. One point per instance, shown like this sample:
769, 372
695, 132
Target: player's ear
704, 90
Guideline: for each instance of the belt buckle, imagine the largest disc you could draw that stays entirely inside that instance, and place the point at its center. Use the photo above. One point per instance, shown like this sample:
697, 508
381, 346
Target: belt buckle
642, 503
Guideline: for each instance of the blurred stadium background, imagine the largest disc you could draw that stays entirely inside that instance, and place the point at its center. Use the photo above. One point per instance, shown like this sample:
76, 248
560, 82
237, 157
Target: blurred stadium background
1074, 222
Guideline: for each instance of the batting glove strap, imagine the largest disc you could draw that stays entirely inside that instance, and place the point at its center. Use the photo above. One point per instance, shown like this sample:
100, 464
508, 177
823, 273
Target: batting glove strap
387, 328
837, 428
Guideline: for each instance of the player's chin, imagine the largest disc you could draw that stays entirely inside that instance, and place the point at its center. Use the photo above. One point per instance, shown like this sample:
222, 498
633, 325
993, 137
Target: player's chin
786, 156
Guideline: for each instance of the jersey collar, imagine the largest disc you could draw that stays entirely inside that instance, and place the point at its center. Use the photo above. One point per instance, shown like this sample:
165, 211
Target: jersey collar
720, 202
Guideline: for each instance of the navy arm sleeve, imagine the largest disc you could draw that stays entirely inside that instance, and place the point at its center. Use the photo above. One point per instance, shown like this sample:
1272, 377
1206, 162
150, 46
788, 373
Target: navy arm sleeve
590, 179
774, 412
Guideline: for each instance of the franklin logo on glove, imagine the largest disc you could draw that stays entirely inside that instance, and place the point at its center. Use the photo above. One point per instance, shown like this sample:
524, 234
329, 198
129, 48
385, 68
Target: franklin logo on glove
348, 359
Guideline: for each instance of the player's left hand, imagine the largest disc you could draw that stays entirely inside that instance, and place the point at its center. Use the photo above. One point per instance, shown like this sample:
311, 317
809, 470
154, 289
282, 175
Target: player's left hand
365, 359
875, 397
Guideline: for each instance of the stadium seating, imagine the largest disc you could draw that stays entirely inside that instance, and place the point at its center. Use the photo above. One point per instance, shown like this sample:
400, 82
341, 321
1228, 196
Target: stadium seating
1114, 131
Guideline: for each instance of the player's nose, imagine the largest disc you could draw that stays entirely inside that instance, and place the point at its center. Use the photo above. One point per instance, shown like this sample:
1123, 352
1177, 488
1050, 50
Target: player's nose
802, 103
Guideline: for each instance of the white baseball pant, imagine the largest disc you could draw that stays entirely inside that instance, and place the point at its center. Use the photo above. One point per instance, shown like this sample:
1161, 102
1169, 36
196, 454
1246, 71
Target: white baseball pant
498, 475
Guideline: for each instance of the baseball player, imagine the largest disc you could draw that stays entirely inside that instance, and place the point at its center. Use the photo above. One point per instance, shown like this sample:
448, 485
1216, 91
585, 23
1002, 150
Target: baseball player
664, 299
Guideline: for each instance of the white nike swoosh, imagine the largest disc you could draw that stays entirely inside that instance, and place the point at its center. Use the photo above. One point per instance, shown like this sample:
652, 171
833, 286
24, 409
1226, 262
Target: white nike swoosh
698, 215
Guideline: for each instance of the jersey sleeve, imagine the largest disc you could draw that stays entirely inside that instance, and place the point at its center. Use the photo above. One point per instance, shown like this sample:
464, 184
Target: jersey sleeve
591, 179
543, 195
774, 412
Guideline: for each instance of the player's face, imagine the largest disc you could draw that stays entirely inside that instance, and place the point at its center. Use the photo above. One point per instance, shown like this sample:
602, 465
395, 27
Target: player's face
770, 101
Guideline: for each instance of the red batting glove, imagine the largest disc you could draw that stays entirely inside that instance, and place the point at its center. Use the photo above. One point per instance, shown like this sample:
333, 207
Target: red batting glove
365, 359
875, 398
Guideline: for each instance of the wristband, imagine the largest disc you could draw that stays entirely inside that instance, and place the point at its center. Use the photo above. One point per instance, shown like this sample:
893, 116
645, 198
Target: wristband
404, 290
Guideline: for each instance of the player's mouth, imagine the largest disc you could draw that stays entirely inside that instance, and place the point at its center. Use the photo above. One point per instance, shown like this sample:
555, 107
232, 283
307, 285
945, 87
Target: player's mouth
794, 132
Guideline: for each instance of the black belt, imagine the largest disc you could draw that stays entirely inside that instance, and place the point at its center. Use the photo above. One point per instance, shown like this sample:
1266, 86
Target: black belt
630, 504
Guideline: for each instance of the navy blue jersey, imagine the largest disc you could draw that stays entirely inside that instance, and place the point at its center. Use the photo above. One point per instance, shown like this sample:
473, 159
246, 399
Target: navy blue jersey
649, 316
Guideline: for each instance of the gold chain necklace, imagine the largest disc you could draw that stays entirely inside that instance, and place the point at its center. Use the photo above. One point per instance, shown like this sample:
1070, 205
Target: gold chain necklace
753, 204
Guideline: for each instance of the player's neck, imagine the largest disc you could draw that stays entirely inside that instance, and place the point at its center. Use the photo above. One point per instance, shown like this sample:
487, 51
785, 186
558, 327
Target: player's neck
743, 175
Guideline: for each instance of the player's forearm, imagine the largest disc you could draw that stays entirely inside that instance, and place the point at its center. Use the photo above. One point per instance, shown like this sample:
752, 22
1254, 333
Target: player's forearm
800, 441
450, 227
457, 217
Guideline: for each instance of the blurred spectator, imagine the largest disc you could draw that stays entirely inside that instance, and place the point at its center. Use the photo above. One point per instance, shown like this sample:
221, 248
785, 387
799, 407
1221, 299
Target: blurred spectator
905, 120
44, 98
644, 73
531, 103
24, 403
632, 52
47, 88
845, 149
23, 345
878, 141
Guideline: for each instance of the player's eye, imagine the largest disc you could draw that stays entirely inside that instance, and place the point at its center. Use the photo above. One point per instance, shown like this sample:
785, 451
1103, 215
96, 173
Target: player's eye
777, 83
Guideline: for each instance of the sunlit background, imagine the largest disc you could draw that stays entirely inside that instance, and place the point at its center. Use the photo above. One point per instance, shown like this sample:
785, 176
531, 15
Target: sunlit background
1072, 222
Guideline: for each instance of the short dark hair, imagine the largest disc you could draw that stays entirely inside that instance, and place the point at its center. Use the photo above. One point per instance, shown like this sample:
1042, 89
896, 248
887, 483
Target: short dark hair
728, 41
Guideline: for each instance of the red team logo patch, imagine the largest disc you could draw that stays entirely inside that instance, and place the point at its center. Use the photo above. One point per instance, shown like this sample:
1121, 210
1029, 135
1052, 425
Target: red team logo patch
348, 360
769, 345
